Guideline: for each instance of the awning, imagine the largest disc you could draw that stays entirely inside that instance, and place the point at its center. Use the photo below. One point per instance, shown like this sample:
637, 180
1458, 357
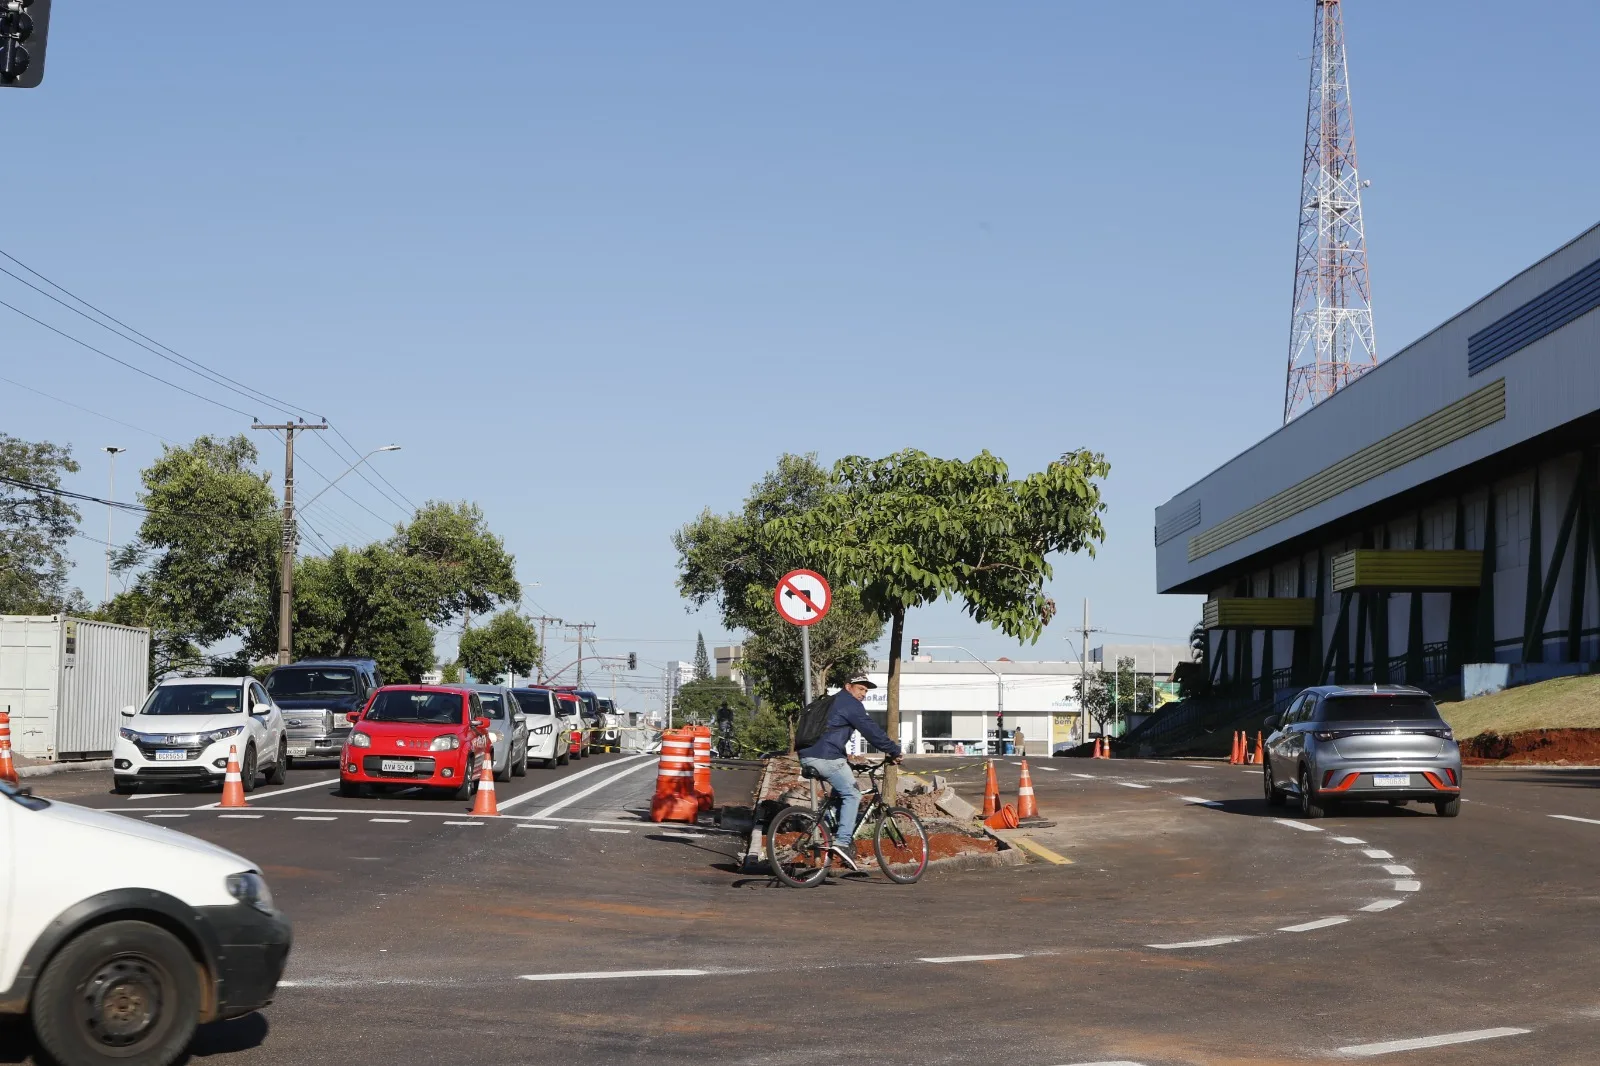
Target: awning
1371, 568
1247, 612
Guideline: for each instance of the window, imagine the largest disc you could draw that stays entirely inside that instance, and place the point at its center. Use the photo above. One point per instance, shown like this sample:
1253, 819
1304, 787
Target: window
194, 699
1378, 709
1292, 715
493, 705
258, 695
937, 725
312, 682
474, 706
533, 701
431, 708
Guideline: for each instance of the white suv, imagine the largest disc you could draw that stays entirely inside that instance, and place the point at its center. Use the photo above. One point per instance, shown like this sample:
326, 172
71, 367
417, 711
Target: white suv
184, 730
129, 935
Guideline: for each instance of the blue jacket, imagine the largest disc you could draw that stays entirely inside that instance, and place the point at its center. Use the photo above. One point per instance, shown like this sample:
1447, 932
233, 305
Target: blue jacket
845, 717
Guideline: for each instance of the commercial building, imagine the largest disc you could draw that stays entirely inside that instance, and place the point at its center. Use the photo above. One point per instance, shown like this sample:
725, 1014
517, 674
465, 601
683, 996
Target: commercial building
1440, 510
951, 706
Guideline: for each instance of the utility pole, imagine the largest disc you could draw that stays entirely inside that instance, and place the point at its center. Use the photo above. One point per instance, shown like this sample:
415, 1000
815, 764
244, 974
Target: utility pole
290, 537
1083, 676
580, 627
113, 452
544, 620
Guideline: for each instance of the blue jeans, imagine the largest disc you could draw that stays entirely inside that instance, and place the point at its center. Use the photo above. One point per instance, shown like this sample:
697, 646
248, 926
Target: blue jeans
837, 773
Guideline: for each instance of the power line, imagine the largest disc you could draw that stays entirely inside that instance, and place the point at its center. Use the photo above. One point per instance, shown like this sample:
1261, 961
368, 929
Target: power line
87, 411
135, 507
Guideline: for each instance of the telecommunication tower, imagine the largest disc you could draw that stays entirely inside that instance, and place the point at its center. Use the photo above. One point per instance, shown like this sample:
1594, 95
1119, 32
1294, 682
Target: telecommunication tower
1330, 338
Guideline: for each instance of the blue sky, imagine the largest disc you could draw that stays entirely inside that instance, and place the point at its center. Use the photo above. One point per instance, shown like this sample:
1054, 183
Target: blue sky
596, 265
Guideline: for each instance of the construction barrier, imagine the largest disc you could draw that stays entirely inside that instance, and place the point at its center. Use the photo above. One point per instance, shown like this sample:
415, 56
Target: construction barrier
675, 799
232, 782
702, 768
8, 766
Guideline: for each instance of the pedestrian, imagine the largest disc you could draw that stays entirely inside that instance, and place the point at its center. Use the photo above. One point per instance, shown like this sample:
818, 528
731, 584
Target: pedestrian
1019, 743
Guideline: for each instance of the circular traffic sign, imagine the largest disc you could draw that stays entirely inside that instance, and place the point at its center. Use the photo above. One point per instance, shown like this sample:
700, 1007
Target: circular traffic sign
802, 597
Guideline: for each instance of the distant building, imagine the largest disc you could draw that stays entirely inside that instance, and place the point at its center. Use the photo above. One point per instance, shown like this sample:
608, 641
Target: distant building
730, 663
951, 706
1157, 660
432, 677
679, 673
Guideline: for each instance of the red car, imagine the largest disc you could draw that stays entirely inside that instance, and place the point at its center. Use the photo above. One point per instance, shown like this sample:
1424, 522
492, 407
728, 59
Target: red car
408, 735
572, 707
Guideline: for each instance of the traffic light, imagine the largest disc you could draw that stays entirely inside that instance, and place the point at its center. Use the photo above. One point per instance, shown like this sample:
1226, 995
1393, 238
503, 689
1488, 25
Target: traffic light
23, 26
915, 644
633, 660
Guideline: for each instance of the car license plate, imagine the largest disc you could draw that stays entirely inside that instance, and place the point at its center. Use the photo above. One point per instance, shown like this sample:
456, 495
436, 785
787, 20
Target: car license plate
171, 756
1391, 780
296, 750
399, 766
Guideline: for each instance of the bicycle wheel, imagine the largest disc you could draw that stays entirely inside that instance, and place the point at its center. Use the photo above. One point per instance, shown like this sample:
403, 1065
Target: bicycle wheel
901, 845
797, 847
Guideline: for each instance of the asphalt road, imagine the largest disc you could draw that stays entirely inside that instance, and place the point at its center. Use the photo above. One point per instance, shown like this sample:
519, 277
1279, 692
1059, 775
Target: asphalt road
1194, 926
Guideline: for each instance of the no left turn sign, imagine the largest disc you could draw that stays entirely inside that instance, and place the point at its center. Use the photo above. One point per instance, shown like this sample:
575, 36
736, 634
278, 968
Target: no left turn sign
803, 597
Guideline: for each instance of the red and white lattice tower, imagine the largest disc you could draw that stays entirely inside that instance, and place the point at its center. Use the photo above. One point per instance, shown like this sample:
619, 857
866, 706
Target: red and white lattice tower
1330, 338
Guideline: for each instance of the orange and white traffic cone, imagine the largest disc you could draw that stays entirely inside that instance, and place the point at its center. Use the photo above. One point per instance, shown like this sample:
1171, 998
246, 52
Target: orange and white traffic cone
991, 792
1004, 818
675, 800
484, 803
232, 783
1260, 751
1096, 753
8, 767
1027, 806
1233, 753
702, 769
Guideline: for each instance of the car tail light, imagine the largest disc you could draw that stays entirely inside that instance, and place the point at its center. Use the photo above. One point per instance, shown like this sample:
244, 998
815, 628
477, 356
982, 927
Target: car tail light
1453, 779
1443, 734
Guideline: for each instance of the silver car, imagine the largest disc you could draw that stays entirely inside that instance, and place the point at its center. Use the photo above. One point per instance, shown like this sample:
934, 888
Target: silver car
508, 731
1361, 742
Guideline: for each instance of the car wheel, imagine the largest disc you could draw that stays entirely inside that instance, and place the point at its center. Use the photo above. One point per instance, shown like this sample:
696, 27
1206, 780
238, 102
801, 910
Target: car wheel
279, 774
503, 776
562, 760
1448, 808
1275, 796
464, 790
351, 788
122, 992
247, 771
125, 788
521, 769
1309, 806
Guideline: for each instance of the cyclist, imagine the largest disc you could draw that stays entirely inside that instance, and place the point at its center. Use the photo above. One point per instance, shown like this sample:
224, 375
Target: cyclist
826, 758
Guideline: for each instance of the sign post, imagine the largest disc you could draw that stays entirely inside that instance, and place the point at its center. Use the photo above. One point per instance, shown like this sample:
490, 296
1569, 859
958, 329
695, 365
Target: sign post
803, 598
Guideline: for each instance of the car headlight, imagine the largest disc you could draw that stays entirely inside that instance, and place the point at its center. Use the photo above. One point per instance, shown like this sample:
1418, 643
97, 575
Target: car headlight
448, 742
128, 734
222, 734
360, 740
251, 888
494, 738
538, 731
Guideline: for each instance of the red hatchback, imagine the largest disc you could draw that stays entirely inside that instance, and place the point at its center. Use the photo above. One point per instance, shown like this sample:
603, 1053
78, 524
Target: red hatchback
410, 735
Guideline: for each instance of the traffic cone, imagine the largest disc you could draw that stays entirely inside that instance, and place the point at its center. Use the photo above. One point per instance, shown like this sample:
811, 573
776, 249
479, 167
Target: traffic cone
1004, 818
1233, 753
1027, 806
1260, 752
991, 793
232, 783
1106, 749
1096, 754
8, 768
705, 798
675, 800
484, 803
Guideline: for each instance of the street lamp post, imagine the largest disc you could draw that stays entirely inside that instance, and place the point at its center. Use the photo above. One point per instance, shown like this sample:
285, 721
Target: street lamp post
999, 696
113, 451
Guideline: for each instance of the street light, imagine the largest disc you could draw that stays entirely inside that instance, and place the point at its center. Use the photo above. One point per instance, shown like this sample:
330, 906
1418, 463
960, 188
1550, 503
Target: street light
358, 462
999, 698
113, 451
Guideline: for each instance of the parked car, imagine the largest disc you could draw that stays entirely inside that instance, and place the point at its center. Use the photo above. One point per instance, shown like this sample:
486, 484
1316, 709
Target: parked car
183, 733
611, 719
315, 696
1348, 742
549, 732
589, 711
508, 731
572, 710
130, 935
436, 736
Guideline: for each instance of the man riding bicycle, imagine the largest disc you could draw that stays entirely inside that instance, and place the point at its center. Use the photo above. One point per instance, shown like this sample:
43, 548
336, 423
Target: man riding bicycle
826, 758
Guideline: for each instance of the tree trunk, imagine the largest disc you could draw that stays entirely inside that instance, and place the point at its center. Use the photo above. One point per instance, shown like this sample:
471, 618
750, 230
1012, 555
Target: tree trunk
897, 630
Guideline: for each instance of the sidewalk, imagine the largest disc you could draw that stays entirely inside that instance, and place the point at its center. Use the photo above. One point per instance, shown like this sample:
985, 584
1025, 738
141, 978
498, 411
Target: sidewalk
27, 767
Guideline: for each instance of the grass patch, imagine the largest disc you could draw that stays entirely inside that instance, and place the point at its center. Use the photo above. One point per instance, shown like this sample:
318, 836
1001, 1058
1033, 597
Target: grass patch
1561, 703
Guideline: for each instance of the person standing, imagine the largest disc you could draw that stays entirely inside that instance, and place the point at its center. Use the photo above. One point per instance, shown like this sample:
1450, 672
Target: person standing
1019, 743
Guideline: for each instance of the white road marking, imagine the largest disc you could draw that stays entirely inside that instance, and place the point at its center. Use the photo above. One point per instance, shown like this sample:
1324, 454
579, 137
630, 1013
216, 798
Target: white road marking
277, 792
1195, 766
1408, 886
1306, 927
600, 975
316, 818
1086, 777
596, 829
535, 825
389, 821
970, 958
1251, 773
613, 779
154, 796
1398, 871
1297, 825
542, 789
1374, 853
1119, 1062
1350, 840
1382, 905
241, 816
1130, 784
1048, 769
1575, 818
166, 816
685, 836
1444, 1039
463, 823
1216, 941
1198, 802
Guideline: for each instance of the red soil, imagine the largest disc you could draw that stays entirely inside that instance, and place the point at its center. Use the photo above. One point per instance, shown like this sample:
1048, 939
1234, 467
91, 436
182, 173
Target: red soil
1533, 747
940, 846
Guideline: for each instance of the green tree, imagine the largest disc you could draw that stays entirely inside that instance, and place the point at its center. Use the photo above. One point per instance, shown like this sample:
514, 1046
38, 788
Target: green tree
1109, 696
1194, 678
912, 528
764, 729
363, 602
460, 567
35, 525
508, 644
206, 555
450, 673
702, 661
698, 701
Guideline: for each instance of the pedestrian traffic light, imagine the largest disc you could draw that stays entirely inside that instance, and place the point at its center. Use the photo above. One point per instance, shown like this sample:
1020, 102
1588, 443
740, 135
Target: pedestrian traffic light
633, 660
23, 24
915, 644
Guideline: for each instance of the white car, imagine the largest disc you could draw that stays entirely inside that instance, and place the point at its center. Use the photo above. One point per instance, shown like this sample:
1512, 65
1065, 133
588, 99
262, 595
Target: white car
184, 730
130, 935
549, 733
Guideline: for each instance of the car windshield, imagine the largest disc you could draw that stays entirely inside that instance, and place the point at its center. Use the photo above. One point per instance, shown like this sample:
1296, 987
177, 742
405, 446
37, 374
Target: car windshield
535, 701
1378, 709
310, 682
493, 705
433, 708
569, 707
194, 699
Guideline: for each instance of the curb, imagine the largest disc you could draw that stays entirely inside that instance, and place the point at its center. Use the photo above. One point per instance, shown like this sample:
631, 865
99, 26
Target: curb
50, 769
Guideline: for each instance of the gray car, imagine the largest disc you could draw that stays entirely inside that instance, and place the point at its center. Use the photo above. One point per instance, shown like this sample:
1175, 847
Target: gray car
1362, 742
508, 731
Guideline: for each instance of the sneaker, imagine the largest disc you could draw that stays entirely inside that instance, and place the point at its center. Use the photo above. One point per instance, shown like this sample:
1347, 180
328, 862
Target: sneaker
842, 853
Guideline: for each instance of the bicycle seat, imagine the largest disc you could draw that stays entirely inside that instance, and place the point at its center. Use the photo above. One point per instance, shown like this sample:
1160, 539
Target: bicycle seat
808, 772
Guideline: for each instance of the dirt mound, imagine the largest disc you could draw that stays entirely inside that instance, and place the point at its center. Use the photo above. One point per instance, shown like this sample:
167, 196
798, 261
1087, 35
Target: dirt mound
1533, 747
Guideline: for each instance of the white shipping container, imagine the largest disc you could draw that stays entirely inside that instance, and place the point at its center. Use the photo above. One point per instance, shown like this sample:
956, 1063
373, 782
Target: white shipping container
64, 682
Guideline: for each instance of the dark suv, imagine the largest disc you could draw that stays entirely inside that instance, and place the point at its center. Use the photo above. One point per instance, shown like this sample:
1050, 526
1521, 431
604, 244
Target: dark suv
315, 695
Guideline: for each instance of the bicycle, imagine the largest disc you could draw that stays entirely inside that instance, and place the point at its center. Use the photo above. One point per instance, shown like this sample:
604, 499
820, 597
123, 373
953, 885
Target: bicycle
799, 837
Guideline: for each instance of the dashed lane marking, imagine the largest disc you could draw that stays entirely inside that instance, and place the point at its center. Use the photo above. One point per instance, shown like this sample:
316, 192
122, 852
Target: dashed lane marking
602, 975
316, 818
542, 789
1196, 801
536, 825
1297, 825
1048, 769
1131, 784
1398, 871
942, 959
1374, 853
1408, 886
1575, 818
1350, 840
1306, 927
1388, 1047
685, 836
1382, 905
154, 796
324, 783
154, 816
597, 829
463, 823
1086, 777
1119, 1062
388, 821
1196, 766
1216, 941
245, 816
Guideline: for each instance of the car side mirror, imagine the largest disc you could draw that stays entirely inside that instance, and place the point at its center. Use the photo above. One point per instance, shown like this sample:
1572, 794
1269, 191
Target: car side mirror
1270, 722
519, 719
129, 711
481, 724
353, 717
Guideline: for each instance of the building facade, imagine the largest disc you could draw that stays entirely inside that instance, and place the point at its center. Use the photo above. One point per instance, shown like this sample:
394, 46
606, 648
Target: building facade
951, 706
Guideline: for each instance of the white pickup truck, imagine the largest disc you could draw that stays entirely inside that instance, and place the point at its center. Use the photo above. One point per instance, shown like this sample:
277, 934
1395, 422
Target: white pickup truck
118, 937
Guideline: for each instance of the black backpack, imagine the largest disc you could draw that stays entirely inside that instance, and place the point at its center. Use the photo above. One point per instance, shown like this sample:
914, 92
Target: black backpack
813, 722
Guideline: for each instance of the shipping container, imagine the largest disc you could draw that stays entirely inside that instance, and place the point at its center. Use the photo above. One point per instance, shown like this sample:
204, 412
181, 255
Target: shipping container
64, 682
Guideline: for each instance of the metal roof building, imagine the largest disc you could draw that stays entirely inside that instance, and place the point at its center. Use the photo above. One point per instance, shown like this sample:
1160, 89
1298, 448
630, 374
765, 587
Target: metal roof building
1440, 510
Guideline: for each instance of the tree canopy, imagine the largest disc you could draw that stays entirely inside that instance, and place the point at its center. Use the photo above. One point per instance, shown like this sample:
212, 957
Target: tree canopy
507, 644
35, 525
